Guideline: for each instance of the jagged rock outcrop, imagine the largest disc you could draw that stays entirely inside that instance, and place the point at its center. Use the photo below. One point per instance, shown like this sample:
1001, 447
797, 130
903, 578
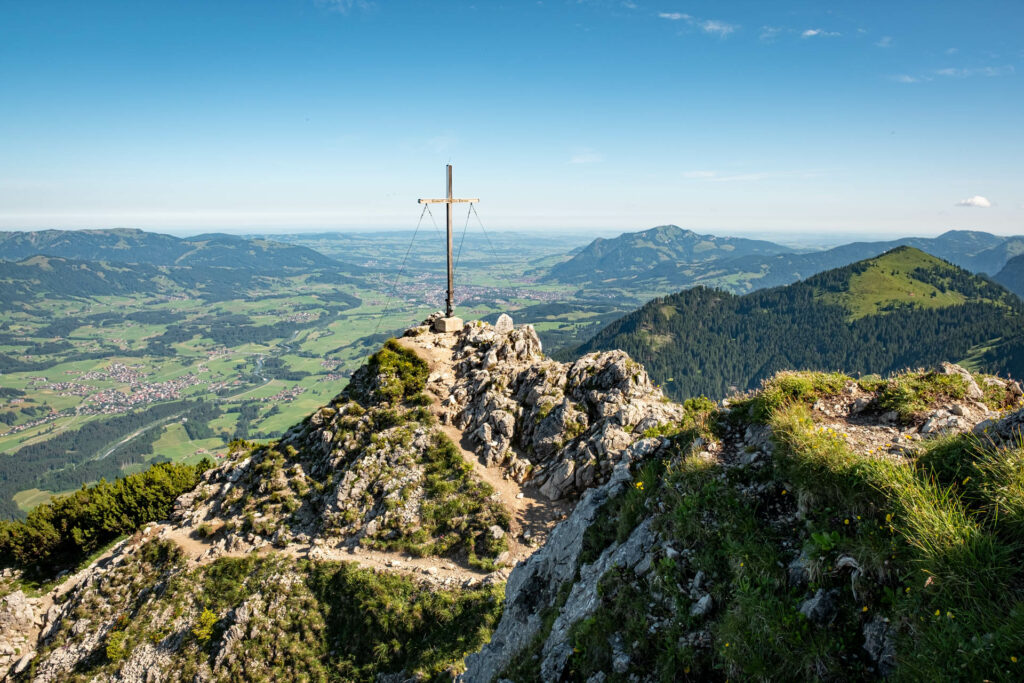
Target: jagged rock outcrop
560, 426
633, 554
534, 584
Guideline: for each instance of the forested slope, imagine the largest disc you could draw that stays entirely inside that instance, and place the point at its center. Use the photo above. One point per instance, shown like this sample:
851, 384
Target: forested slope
902, 309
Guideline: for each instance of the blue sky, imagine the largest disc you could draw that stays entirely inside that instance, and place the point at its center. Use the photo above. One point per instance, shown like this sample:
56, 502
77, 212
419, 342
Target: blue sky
734, 117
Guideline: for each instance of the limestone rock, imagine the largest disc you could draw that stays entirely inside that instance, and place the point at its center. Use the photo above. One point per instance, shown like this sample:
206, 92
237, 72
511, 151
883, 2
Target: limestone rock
879, 644
504, 324
702, 606
533, 584
821, 609
974, 392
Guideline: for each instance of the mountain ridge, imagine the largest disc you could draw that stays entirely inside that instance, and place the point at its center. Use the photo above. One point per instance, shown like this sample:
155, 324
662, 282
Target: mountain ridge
974, 250
133, 246
666, 244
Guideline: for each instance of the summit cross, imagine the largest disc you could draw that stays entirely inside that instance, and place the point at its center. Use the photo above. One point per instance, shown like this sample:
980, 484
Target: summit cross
448, 201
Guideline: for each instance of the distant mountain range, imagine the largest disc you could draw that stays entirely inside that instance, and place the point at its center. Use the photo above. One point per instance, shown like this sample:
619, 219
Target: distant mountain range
668, 257
903, 309
124, 245
123, 261
635, 253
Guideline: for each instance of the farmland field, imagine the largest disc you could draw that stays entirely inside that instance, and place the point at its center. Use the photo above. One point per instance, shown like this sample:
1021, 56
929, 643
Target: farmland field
105, 385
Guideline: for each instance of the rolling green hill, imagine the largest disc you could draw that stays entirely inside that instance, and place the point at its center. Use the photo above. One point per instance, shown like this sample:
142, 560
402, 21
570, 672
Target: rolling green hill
903, 309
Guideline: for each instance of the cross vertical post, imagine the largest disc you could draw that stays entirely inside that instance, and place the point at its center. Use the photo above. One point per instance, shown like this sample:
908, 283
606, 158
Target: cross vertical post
448, 201
450, 301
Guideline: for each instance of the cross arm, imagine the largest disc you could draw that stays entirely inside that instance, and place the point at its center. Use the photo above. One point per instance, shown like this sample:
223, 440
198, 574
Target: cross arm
448, 201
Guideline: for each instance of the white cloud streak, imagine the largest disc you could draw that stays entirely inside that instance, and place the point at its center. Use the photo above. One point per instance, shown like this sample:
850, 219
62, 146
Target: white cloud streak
674, 16
344, 6
814, 32
975, 202
719, 28
987, 71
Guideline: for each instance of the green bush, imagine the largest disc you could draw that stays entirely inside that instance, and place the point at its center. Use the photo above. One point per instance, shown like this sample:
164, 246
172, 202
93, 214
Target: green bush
203, 628
400, 374
65, 530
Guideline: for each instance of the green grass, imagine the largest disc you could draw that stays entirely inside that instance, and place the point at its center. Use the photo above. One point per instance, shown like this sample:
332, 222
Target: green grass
952, 579
911, 393
787, 388
937, 539
890, 280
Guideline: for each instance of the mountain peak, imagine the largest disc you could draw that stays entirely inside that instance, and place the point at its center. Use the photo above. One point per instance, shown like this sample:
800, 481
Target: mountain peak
664, 246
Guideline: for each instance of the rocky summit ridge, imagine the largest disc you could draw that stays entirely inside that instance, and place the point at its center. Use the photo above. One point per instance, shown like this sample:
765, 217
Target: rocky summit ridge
470, 508
447, 459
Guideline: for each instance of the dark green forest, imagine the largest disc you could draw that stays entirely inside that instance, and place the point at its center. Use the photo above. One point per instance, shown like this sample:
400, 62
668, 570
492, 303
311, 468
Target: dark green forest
705, 341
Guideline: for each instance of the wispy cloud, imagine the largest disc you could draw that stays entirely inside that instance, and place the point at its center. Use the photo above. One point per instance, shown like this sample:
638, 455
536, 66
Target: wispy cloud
719, 28
989, 71
629, 5
586, 156
344, 6
814, 32
769, 33
709, 26
975, 202
699, 175
884, 41
904, 78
